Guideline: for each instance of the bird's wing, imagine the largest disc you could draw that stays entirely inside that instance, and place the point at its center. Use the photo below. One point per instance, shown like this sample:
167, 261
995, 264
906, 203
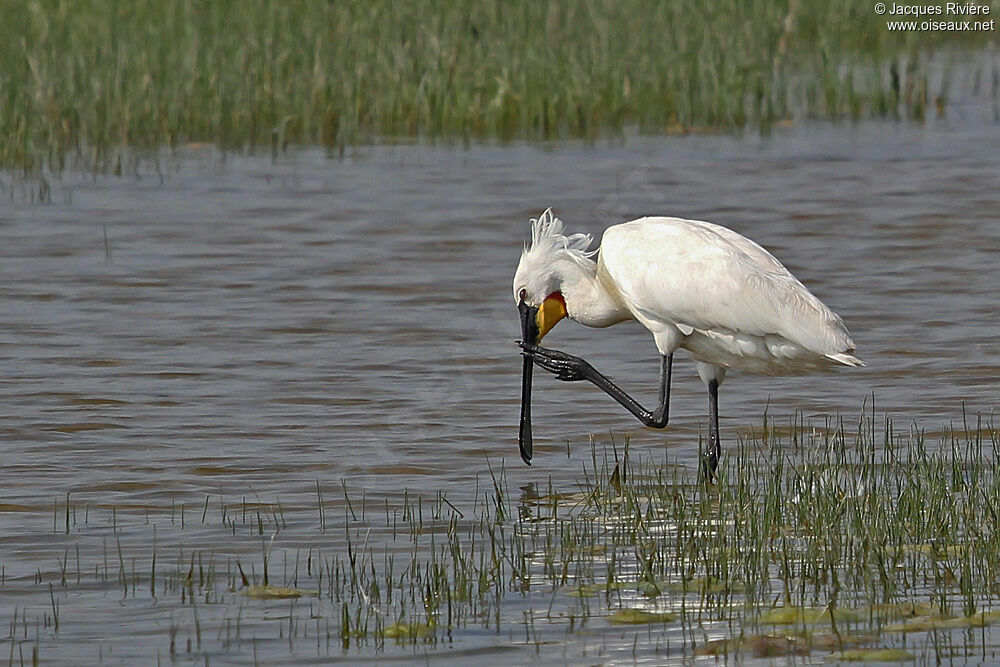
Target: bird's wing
696, 275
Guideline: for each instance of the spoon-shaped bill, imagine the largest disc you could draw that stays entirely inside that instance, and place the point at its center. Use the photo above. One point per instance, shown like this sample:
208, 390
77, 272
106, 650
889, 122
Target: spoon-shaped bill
524, 432
529, 333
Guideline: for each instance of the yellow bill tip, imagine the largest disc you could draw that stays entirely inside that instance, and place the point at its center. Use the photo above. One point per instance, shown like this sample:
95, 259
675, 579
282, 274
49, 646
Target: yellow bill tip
551, 311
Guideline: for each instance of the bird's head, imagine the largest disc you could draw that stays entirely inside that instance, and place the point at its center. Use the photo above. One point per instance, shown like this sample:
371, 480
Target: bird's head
550, 264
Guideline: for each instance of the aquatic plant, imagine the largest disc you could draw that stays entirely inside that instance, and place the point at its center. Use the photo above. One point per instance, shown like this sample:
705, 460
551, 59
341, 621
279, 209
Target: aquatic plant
86, 82
832, 538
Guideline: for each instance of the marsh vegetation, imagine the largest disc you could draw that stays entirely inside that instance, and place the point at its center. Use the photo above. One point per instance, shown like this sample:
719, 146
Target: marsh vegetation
855, 540
82, 81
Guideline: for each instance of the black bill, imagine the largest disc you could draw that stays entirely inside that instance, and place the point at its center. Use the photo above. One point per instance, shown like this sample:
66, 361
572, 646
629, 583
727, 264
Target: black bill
529, 332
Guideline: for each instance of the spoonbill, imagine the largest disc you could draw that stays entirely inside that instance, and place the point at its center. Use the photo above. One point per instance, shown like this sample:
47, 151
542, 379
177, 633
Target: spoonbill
694, 285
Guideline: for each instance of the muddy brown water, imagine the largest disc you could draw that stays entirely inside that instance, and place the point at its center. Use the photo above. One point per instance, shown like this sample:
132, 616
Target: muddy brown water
241, 329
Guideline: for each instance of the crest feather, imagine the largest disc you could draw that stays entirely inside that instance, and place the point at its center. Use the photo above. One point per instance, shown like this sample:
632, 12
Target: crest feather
547, 238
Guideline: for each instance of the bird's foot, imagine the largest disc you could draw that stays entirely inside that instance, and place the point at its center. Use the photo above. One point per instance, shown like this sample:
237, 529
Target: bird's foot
564, 366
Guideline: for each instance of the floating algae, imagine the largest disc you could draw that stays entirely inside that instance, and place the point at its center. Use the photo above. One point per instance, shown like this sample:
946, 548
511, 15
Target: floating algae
409, 631
640, 616
267, 592
809, 615
771, 646
928, 623
590, 590
873, 655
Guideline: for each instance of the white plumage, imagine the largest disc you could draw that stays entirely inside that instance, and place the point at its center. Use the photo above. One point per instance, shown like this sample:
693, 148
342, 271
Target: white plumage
693, 285
720, 296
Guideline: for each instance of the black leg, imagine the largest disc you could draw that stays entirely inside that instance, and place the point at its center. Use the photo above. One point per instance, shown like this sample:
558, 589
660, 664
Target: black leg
568, 368
662, 414
711, 461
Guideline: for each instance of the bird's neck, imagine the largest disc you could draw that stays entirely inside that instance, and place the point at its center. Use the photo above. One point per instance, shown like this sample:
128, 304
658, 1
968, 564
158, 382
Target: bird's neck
593, 301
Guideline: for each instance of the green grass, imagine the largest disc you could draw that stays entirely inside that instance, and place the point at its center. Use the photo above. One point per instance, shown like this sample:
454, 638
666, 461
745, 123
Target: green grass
82, 80
819, 538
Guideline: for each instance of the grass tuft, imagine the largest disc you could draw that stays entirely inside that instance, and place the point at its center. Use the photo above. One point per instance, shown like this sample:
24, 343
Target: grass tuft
829, 540
85, 82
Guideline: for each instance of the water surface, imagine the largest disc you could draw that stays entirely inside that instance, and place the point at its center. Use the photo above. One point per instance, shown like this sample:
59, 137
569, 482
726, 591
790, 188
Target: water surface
236, 329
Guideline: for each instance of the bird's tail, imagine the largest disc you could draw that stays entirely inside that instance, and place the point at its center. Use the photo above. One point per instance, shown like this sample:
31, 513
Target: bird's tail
846, 359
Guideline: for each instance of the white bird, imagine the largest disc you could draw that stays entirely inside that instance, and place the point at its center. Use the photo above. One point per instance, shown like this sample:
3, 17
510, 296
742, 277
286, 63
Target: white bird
694, 285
